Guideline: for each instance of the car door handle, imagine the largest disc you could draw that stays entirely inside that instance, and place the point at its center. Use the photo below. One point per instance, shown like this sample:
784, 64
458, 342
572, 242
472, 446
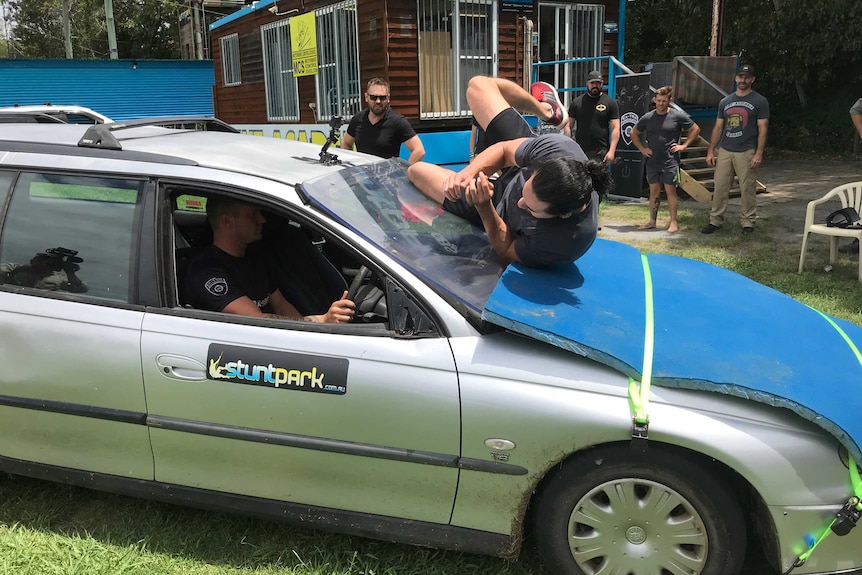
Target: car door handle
181, 367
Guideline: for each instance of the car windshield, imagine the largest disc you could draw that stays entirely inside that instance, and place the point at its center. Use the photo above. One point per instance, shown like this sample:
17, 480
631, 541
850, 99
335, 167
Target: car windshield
379, 203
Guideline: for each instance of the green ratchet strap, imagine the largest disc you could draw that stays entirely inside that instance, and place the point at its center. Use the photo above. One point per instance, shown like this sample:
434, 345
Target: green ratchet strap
639, 394
851, 512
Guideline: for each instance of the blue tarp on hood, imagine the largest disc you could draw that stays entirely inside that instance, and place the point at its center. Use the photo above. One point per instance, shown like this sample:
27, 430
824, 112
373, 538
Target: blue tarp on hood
714, 330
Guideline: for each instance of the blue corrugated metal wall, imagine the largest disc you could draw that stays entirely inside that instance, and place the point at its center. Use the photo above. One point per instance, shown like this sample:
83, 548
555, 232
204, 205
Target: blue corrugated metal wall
119, 89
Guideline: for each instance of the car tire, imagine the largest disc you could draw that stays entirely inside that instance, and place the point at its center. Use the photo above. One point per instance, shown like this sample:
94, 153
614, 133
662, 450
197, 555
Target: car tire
617, 511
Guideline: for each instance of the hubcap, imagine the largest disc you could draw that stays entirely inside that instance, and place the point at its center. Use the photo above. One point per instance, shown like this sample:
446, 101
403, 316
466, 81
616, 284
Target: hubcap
631, 526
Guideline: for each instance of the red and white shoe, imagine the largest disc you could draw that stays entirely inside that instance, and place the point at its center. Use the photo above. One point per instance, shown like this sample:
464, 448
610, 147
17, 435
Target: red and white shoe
544, 92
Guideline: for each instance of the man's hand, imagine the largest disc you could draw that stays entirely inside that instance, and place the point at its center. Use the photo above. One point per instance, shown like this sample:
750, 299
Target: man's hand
340, 311
677, 147
646, 152
457, 183
710, 158
756, 160
479, 191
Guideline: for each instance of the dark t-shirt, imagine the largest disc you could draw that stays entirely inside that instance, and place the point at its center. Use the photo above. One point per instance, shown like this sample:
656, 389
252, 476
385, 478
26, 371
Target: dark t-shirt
592, 117
740, 115
384, 138
661, 132
546, 241
215, 279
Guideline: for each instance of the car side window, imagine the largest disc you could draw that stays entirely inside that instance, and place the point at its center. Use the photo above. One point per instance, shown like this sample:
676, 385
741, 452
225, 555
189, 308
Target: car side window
309, 267
74, 234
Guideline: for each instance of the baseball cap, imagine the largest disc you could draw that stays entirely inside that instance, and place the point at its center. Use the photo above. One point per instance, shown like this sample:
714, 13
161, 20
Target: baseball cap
595, 76
746, 69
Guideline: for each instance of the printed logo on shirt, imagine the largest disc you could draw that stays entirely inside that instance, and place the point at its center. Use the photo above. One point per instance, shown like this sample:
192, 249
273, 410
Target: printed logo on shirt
601, 108
216, 286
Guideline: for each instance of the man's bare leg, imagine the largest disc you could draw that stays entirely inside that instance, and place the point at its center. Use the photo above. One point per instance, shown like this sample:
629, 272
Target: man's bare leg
672, 205
654, 201
430, 179
488, 96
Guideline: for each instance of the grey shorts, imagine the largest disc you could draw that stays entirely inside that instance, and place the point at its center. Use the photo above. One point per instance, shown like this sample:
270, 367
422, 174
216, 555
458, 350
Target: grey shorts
662, 175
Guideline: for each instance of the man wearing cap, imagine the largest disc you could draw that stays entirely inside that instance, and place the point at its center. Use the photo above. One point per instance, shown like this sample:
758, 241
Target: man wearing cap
740, 128
596, 117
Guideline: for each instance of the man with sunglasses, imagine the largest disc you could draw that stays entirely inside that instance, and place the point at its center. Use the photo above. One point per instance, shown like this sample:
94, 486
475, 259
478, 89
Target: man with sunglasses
379, 129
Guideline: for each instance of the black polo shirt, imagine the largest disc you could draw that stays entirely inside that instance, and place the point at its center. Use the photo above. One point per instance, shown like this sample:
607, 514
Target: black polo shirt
384, 138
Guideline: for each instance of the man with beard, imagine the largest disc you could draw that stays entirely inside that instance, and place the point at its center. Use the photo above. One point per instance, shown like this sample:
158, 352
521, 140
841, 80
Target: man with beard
596, 116
379, 129
743, 119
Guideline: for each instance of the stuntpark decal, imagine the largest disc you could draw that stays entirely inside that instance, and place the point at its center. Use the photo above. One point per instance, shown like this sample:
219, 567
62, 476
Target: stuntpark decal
277, 369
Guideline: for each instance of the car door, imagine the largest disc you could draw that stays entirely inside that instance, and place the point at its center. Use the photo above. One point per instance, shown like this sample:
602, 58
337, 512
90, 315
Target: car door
347, 417
71, 390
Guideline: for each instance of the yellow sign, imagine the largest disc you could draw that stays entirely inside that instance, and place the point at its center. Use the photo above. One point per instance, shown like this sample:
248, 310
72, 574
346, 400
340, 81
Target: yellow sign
303, 44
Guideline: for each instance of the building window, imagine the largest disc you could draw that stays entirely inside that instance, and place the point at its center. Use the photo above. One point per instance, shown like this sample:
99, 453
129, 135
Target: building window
230, 60
338, 85
567, 32
282, 93
457, 40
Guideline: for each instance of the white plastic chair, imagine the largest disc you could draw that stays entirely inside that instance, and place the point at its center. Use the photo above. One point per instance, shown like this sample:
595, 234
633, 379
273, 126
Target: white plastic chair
850, 196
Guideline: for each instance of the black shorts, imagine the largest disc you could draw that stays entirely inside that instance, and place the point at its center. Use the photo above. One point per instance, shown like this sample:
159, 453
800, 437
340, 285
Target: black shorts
507, 125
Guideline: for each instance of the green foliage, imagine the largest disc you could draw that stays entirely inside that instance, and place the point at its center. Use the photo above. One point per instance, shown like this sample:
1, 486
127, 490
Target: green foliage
145, 29
808, 54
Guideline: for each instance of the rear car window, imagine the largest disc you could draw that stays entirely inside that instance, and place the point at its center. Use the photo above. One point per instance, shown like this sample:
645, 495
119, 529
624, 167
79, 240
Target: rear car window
72, 234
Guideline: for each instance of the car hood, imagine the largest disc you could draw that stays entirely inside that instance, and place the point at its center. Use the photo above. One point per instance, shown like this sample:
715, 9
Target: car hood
713, 330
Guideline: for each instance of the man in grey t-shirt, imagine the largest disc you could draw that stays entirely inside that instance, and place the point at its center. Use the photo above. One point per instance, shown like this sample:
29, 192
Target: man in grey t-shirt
743, 119
663, 128
543, 209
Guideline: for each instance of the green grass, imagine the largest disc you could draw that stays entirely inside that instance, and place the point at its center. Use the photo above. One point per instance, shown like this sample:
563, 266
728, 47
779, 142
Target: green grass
48, 529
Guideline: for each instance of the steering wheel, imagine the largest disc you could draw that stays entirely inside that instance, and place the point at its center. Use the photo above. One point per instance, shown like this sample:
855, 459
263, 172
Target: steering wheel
358, 279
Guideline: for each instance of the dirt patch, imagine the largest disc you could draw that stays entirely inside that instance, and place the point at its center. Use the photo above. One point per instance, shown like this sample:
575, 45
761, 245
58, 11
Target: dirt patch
791, 182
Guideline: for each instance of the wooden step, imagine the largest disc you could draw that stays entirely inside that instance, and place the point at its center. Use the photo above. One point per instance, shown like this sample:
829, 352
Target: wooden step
699, 171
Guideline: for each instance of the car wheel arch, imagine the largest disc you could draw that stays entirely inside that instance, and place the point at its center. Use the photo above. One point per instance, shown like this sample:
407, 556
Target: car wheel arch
752, 505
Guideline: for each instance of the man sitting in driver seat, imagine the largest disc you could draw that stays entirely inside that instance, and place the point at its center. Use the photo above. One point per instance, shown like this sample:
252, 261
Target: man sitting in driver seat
231, 278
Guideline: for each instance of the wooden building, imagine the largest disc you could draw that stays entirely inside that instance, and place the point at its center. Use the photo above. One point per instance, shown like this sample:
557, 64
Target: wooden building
426, 49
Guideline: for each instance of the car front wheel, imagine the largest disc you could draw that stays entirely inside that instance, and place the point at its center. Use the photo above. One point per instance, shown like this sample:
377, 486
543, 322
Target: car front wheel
616, 511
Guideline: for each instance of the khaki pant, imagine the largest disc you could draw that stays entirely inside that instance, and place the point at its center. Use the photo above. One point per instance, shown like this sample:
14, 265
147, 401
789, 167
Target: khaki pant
726, 165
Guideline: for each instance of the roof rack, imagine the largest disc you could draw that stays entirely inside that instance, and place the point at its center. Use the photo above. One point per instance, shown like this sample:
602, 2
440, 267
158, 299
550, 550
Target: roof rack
101, 135
28, 118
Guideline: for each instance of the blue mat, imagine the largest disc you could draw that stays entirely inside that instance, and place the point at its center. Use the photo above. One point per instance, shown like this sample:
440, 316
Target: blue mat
715, 330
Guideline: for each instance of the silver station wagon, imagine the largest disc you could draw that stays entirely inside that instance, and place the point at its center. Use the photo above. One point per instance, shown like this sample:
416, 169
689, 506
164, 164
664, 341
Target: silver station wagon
436, 417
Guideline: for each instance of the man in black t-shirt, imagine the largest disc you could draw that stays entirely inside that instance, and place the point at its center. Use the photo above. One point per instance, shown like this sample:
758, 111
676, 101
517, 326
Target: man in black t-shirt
543, 209
597, 120
230, 278
379, 129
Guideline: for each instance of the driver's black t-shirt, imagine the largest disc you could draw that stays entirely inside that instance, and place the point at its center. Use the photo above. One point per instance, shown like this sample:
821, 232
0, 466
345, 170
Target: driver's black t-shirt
216, 278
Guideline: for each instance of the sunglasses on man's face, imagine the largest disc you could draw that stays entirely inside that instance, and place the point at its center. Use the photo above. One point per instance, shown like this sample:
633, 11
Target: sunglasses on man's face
376, 98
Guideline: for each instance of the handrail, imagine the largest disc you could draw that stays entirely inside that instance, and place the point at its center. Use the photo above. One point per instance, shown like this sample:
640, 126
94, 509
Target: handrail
612, 62
700, 75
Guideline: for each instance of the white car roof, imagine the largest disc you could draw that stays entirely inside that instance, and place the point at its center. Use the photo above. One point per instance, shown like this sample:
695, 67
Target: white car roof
58, 108
287, 161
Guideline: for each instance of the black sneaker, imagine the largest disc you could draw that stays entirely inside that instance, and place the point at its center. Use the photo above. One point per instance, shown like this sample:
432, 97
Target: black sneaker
747, 230
709, 229
851, 248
